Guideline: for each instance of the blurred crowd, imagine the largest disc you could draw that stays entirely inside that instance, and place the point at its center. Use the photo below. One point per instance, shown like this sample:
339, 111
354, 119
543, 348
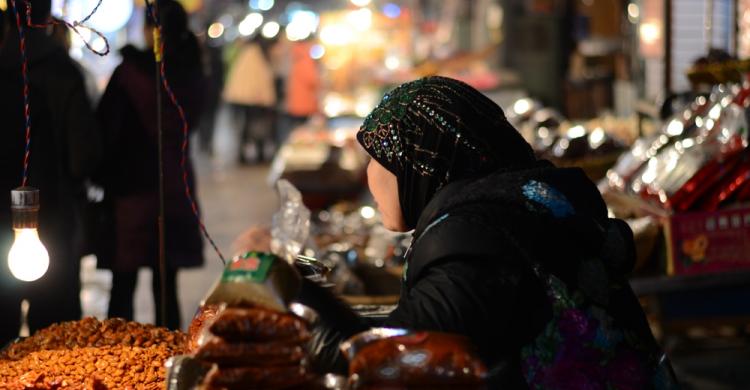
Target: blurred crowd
94, 157
272, 86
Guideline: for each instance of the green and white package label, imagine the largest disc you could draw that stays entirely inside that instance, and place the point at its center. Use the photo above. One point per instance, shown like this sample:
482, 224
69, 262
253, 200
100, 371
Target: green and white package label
249, 267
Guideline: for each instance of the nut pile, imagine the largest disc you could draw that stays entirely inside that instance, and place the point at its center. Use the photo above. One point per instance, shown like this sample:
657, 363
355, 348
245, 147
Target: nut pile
91, 354
117, 367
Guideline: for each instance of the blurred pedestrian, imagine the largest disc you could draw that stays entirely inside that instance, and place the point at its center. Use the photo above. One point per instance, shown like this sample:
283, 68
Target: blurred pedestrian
250, 90
214, 69
303, 85
60, 32
128, 115
281, 62
65, 148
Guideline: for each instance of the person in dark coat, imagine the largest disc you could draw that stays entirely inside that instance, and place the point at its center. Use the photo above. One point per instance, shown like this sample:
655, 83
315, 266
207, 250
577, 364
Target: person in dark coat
65, 149
214, 67
127, 113
512, 252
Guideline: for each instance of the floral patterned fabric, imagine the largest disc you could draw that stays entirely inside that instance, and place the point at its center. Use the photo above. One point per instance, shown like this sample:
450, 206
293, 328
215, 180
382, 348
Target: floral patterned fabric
582, 348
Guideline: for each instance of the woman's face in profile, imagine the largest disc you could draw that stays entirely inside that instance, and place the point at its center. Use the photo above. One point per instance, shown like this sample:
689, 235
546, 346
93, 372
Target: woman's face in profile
384, 188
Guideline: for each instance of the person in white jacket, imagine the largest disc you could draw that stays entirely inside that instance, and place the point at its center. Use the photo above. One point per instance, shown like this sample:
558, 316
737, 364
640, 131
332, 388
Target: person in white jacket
250, 90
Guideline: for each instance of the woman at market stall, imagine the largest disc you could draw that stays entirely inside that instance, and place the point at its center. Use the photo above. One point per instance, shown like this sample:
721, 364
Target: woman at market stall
512, 252
127, 113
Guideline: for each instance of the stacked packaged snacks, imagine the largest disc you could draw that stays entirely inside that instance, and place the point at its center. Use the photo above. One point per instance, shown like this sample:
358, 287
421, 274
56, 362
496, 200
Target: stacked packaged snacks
258, 324
249, 332
254, 347
395, 358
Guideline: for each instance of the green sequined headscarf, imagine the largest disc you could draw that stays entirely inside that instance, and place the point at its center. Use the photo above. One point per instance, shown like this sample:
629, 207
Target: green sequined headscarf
436, 130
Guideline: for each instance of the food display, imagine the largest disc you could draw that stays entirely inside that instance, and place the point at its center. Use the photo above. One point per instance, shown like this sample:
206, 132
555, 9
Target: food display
255, 347
91, 354
324, 161
282, 377
593, 145
248, 335
118, 367
258, 324
697, 153
397, 358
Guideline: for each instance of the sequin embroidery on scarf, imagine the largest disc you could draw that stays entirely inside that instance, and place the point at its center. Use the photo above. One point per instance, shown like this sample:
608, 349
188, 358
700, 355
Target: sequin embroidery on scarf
391, 129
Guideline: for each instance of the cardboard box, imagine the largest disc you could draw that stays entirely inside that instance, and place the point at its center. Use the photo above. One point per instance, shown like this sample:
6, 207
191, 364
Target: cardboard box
708, 242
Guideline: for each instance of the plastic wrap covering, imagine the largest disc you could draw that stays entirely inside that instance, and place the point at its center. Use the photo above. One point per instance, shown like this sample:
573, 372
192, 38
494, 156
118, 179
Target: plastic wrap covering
392, 357
258, 324
678, 174
291, 224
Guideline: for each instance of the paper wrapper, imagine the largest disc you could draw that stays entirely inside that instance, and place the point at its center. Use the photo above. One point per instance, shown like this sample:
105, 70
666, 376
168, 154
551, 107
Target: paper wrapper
256, 279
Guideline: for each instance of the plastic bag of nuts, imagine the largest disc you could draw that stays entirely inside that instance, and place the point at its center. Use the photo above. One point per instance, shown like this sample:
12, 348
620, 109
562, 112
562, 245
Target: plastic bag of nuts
254, 347
202, 319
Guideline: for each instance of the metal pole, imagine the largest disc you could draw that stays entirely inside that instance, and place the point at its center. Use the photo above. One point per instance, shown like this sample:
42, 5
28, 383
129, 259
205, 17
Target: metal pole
160, 136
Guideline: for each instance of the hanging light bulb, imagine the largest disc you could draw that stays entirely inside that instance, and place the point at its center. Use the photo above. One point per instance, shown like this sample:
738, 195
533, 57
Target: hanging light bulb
28, 259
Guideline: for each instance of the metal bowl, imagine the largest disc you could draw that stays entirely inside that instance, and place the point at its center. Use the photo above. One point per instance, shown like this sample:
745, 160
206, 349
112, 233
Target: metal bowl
184, 372
334, 382
304, 312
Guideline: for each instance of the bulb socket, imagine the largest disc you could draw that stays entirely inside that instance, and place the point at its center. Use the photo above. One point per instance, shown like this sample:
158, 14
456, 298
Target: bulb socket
24, 207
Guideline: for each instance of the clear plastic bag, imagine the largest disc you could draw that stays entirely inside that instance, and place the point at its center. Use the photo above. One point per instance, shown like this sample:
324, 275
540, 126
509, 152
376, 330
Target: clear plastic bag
291, 224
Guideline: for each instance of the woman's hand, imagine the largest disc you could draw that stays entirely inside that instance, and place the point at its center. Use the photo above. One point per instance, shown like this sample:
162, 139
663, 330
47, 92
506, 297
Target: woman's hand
256, 238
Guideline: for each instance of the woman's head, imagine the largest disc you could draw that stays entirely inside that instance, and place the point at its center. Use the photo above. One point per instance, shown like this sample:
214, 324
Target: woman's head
430, 132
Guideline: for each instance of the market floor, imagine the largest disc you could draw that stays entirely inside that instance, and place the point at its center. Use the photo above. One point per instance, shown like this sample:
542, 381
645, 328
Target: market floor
231, 198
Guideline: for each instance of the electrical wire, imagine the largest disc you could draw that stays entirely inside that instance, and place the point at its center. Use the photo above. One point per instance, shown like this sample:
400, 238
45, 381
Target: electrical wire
162, 74
25, 65
26, 94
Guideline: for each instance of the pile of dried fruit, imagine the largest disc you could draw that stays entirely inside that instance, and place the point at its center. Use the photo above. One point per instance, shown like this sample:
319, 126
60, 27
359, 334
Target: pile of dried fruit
91, 354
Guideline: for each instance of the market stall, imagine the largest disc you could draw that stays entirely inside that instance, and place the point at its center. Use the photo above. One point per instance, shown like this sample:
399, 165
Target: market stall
323, 160
688, 180
683, 187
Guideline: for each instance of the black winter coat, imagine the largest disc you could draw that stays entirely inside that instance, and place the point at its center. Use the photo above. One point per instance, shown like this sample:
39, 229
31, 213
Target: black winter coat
481, 263
65, 149
127, 114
